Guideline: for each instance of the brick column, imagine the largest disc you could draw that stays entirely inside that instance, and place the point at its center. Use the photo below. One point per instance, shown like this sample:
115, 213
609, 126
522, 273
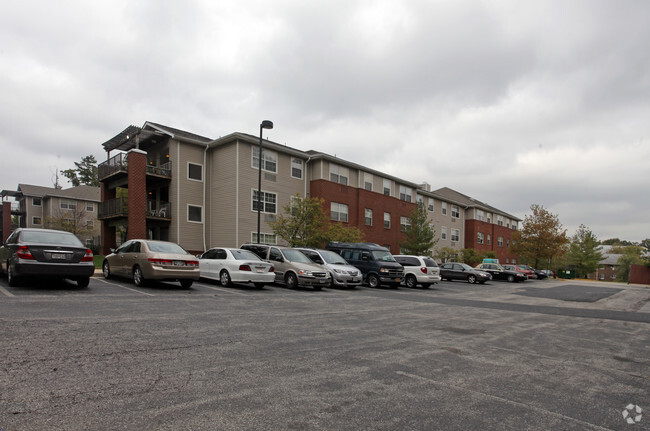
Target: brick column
6, 220
107, 232
137, 170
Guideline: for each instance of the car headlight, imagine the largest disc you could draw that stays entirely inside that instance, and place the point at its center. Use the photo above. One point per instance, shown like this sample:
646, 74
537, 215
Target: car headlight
338, 271
304, 272
384, 270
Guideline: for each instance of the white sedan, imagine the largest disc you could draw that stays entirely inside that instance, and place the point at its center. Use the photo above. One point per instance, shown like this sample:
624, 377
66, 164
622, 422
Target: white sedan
234, 265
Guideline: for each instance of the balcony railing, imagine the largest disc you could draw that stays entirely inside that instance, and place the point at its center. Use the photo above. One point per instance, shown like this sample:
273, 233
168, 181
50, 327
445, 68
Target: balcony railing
115, 164
164, 170
159, 209
113, 208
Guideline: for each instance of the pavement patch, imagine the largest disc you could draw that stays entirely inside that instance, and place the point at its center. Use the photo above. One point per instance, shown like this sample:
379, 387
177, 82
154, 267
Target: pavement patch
574, 293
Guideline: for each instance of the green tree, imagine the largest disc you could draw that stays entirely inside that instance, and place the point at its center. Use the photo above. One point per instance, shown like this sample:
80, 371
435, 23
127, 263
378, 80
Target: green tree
584, 254
471, 256
341, 233
85, 172
630, 255
447, 254
303, 223
420, 234
540, 238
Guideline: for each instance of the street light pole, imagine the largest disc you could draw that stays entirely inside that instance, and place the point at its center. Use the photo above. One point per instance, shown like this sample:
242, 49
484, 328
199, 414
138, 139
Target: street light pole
266, 124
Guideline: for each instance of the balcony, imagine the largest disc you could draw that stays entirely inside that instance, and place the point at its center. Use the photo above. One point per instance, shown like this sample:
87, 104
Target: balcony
119, 164
159, 210
113, 208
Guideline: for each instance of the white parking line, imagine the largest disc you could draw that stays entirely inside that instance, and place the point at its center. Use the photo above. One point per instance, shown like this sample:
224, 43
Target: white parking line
218, 289
6, 292
124, 287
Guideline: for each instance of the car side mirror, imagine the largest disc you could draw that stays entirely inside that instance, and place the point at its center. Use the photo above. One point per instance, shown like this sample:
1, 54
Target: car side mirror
278, 259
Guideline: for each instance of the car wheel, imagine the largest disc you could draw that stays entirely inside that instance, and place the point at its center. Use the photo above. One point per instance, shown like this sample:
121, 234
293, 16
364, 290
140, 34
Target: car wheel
291, 280
471, 279
83, 282
511, 278
373, 280
259, 285
411, 281
224, 278
186, 283
106, 269
12, 279
138, 277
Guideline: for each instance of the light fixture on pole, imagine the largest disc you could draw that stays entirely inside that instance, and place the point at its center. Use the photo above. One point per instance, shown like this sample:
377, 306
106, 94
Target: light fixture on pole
266, 124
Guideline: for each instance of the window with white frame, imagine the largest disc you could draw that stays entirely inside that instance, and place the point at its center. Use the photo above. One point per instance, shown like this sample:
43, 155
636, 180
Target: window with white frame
368, 216
367, 181
386, 187
90, 224
443, 232
67, 204
430, 205
419, 199
269, 160
500, 220
480, 238
296, 168
36, 202
387, 220
404, 223
265, 238
268, 202
489, 239
339, 174
455, 211
293, 205
338, 212
194, 172
90, 207
455, 235
480, 215
405, 194
36, 220
194, 213
444, 208
489, 217
500, 241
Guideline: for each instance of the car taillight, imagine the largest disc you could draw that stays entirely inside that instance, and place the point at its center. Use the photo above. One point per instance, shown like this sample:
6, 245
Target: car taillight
423, 269
192, 263
244, 268
88, 257
160, 261
271, 269
24, 253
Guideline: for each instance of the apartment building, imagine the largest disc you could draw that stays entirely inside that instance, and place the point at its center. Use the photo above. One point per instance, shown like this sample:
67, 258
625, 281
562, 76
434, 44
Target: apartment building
169, 184
73, 209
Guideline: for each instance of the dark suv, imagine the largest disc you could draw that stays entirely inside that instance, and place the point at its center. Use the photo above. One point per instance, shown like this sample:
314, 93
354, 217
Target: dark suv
375, 262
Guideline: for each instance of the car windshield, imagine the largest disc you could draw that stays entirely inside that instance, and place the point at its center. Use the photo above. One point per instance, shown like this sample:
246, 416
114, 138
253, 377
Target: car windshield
165, 247
466, 267
384, 256
296, 256
333, 258
240, 254
45, 237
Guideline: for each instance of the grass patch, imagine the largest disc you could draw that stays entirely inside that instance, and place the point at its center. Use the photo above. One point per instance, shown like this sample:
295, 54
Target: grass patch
98, 259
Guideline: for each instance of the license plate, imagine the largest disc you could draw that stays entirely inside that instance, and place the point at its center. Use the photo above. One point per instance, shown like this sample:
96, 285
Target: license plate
58, 256
260, 269
323, 281
179, 263
398, 280
354, 280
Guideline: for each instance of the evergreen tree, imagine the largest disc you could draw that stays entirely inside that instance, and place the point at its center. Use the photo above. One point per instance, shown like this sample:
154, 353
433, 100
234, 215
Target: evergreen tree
85, 172
420, 234
584, 254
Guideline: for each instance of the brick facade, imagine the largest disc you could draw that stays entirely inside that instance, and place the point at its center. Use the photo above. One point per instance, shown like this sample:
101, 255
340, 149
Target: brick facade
6, 220
473, 227
137, 169
639, 274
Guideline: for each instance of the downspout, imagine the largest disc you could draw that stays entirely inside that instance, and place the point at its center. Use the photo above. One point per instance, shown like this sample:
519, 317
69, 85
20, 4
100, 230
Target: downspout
306, 163
205, 186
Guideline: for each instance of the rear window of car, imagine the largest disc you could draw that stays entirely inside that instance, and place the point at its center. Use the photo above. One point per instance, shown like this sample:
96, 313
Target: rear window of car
166, 247
430, 262
60, 238
244, 255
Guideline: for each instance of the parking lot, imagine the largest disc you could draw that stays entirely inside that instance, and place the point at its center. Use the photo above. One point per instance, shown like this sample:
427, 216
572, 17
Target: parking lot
538, 355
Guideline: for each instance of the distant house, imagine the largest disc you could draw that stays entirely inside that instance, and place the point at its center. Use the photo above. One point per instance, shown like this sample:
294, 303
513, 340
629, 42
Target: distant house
607, 267
73, 210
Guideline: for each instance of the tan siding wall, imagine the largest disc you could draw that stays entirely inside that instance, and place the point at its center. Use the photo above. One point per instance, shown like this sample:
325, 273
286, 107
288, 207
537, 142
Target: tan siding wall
222, 219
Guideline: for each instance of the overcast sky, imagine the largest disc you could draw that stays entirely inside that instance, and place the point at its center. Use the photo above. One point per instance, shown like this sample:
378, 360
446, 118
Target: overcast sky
511, 102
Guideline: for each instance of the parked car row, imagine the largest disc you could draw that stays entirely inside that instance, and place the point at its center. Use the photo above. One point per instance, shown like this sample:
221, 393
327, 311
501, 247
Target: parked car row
29, 252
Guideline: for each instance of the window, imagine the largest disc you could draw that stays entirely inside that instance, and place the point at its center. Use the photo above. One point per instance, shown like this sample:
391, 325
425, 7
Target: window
443, 232
194, 213
36, 202
194, 172
265, 238
404, 223
387, 220
367, 181
444, 208
430, 206
339, 174
386, 187
489, 218
480, 215
500, 220
90, 207
455, 211
67, 204
489, 239
455, 235
405, 193
268, 202
500, 241
269, 160
479, 238
368, 217
36, 220
296, 168
90, 224
339, 212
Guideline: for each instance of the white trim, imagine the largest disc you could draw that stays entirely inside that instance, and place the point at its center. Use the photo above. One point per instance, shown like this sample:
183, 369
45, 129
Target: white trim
188, 172
188, 213
253, 191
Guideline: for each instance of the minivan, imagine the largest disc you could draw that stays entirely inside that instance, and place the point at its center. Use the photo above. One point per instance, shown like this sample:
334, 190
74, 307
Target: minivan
375, 262
421, 270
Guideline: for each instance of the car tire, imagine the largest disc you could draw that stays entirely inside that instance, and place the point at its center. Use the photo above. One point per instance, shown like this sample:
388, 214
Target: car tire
411, 281
138, 277
291, 280
259, 285
511, 278
318, 287
106, 270
186, 284
373, 280
12, 279
83, 282
224, 278
471, 279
